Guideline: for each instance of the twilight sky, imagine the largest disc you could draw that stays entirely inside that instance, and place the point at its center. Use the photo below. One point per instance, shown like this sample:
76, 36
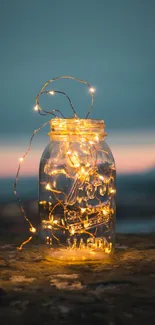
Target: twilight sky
109, 43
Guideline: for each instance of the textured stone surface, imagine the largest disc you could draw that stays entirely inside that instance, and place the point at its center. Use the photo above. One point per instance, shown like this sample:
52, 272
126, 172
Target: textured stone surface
118, 291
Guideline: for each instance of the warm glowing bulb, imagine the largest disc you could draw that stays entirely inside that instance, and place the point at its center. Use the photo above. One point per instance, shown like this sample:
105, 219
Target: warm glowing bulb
72, 231
32, 229
83, 170
52, 92
92, 90
47, 187
36, 108
83, 210
55, 222
96, 138
105, 212
21, 159
42, 202
112, 191
77, 165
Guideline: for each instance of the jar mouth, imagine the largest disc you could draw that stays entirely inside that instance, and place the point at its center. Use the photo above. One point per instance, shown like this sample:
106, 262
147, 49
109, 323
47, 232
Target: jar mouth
76, 126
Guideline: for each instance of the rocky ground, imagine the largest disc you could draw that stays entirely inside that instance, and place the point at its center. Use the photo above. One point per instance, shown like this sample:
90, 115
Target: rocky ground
118, 291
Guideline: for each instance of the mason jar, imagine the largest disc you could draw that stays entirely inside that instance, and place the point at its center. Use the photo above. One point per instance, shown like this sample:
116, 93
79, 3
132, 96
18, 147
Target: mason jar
77, 191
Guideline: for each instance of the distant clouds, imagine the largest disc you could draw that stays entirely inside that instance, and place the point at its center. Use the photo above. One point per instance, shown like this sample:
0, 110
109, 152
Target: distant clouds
133, 152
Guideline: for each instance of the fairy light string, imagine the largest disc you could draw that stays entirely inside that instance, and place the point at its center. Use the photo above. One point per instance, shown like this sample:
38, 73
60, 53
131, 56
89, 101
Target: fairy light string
52, 92
77, 224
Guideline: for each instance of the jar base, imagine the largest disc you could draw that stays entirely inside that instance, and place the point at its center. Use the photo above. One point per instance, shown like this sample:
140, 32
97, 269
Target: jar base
75, 255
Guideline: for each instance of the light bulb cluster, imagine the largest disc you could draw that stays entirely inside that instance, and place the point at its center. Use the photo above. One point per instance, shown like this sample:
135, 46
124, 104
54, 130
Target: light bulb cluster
79, 215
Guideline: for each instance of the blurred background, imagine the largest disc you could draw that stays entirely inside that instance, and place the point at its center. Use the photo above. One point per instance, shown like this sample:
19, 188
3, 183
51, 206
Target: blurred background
110, 44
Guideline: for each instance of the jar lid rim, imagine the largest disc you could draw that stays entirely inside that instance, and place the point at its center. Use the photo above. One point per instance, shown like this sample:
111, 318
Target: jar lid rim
76, 120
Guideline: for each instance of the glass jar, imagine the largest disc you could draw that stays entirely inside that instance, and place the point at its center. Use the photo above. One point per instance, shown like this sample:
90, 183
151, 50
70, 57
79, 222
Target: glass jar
77, 191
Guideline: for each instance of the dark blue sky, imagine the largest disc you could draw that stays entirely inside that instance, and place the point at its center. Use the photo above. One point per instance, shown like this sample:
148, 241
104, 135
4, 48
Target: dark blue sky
109, 43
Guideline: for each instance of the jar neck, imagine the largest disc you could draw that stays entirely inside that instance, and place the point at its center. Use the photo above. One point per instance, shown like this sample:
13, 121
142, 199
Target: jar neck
81, 129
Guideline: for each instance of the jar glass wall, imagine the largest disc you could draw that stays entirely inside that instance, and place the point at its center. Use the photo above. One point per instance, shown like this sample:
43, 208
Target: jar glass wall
77, 191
